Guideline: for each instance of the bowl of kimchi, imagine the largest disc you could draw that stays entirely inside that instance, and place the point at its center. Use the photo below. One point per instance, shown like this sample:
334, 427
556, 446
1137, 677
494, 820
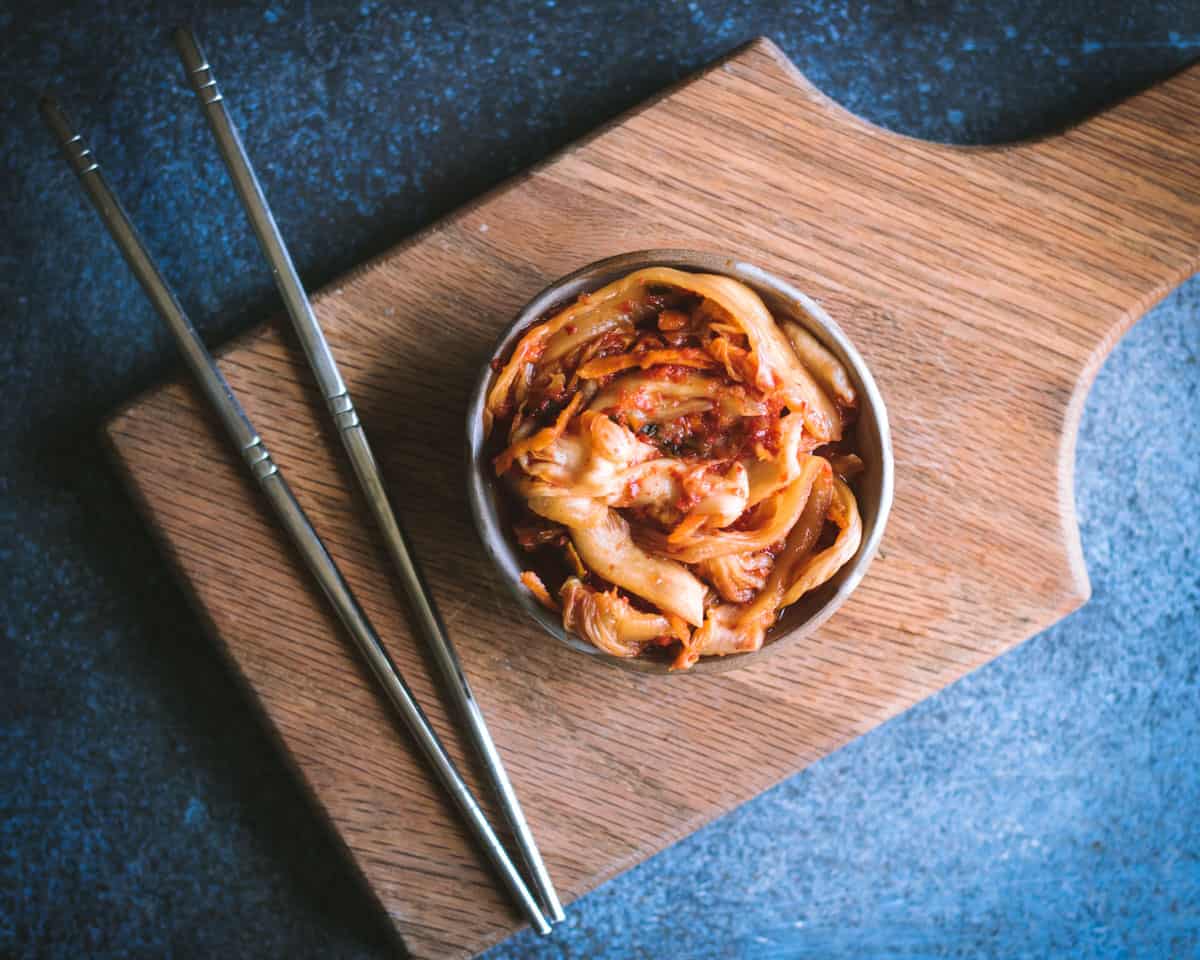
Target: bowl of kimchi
678, 461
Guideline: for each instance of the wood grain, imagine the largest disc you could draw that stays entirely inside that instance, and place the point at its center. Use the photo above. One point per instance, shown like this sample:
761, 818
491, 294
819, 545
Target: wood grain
984, 287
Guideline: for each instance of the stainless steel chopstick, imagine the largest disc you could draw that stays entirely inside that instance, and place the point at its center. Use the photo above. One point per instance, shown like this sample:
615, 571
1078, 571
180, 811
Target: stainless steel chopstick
289, 512
354, 439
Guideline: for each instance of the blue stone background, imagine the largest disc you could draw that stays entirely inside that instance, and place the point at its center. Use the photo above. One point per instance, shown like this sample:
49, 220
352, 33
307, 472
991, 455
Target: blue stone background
1044, 806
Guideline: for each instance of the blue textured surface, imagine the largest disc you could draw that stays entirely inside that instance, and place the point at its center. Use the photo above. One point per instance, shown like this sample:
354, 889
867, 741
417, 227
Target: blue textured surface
1044, 806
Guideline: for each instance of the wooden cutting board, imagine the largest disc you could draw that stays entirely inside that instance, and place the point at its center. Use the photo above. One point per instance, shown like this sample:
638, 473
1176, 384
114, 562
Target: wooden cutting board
983, 286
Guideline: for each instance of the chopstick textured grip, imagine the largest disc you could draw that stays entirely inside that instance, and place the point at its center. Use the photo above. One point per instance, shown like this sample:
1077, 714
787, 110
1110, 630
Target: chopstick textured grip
75, 149
341, 407
79, 155
258, 459
200, 74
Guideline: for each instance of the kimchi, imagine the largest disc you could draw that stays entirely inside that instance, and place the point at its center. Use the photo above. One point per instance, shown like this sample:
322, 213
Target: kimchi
679, 464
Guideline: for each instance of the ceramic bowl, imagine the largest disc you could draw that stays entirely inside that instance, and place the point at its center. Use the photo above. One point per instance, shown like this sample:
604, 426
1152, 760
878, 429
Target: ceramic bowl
873, 488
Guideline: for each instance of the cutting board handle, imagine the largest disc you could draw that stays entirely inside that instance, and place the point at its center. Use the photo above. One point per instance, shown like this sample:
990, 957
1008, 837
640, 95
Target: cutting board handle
1003, 276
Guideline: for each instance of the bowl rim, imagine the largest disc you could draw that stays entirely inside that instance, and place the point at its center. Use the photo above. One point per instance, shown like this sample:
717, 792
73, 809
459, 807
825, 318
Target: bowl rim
590, 277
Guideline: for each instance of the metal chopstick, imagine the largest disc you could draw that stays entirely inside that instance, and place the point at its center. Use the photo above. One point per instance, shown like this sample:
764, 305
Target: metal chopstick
354, 439
289, 512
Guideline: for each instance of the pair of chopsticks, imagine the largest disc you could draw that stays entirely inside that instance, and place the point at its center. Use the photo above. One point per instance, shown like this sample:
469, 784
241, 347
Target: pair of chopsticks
289, 512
